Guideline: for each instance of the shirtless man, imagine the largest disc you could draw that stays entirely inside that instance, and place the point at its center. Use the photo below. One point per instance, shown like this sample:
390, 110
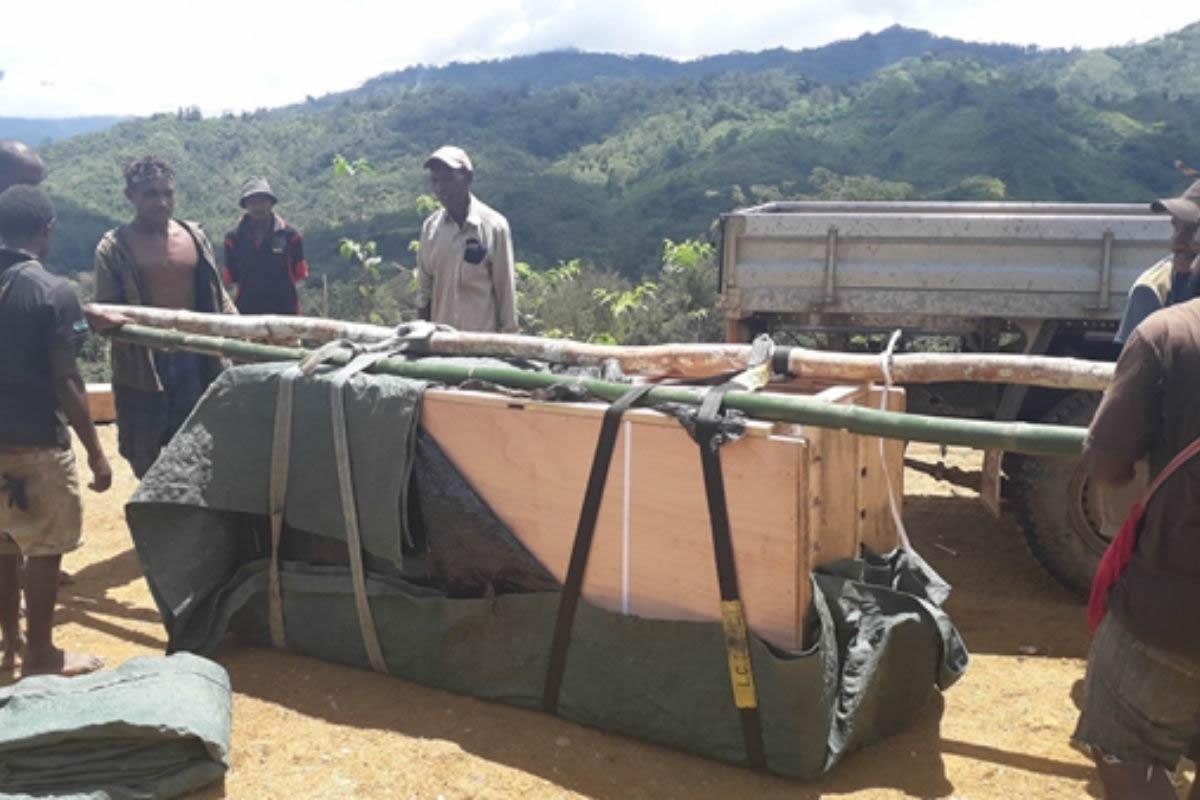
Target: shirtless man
156, 260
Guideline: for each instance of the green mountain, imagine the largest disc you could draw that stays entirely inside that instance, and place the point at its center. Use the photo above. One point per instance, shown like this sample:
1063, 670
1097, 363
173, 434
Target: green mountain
836, 63
35, 130
611, 155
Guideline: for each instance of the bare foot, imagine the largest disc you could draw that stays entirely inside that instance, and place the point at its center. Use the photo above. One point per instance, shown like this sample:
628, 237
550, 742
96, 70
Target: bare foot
59, 662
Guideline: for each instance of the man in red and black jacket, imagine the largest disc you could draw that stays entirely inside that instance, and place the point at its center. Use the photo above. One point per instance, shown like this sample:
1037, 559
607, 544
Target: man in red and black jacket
264, 255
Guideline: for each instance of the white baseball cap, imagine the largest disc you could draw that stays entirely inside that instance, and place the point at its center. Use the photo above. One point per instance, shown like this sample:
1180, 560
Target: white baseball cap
453, 157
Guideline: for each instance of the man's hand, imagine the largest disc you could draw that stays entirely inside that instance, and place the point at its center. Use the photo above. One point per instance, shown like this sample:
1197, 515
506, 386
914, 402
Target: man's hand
102, 321
101, 472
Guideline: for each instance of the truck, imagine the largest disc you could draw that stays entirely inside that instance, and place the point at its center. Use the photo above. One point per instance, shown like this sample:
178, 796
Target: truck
1034, 278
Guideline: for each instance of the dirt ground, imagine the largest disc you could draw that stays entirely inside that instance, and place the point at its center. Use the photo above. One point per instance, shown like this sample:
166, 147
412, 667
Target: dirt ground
304, 728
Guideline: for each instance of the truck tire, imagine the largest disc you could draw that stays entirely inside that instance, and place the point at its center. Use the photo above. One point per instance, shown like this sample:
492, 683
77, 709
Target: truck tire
1067, 520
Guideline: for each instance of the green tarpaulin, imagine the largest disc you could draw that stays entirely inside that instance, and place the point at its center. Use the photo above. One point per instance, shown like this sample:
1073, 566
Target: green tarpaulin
881, 644
156, 727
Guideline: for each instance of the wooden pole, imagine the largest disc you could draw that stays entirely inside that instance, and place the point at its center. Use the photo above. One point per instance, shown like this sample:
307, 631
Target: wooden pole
1017, 437
678, 361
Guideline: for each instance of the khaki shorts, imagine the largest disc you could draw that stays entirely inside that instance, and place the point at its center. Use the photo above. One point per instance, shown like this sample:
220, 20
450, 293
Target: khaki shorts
53, 522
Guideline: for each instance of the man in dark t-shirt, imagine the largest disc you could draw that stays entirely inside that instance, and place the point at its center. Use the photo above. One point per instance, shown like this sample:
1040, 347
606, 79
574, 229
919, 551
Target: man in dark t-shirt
264, 255
41, 392
1142, 708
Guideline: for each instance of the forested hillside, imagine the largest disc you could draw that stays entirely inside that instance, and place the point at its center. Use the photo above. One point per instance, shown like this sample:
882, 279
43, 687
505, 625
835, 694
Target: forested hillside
837, 63
600, 158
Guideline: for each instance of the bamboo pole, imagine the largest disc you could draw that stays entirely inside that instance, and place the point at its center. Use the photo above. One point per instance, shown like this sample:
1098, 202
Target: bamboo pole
1018, 437
681, 361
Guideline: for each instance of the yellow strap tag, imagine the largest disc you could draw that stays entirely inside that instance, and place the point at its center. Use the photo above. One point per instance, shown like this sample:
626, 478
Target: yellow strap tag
737, 648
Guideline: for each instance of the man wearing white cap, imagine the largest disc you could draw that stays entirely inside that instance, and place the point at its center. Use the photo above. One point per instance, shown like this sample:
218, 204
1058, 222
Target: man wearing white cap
465, 258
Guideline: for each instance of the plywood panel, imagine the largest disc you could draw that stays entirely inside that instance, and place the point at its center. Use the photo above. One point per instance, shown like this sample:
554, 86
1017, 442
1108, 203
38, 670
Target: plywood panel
876, 528
833, 493
531, 469
653, 549
673, 570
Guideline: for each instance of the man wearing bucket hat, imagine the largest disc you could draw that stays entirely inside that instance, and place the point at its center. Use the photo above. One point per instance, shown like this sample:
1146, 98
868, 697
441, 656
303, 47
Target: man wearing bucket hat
264, 255
1174, 279
465, 257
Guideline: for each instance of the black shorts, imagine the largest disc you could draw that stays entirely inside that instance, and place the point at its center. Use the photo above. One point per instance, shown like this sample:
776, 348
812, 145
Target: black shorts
146, 420
1142, 704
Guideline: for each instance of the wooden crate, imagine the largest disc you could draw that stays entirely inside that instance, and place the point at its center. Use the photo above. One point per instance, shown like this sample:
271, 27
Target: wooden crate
797, 497
100, 402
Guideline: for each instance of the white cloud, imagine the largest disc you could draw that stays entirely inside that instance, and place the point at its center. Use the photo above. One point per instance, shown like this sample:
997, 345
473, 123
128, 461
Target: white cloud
135, 56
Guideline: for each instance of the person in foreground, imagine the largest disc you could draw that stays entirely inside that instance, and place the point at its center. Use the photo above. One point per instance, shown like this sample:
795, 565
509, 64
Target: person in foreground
1142, 706
20, 165
41, 514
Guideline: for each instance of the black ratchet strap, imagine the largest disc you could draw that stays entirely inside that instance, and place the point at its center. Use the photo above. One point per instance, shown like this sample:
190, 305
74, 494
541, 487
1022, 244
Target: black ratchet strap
733, 614
779, 361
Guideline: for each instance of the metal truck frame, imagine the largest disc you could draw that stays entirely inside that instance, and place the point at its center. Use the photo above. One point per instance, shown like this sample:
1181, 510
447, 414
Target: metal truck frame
1037, 278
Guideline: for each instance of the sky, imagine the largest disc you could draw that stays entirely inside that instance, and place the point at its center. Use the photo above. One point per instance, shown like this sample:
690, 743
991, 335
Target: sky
140, 57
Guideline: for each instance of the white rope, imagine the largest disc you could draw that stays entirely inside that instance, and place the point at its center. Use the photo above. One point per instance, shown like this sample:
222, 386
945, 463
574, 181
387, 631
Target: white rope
885, 364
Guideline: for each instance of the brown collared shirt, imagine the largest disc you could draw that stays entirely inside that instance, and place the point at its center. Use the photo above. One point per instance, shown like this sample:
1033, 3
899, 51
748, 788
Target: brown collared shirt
466, 273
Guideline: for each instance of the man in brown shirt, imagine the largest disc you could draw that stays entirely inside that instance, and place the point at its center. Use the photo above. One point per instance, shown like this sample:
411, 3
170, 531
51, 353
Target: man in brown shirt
1143, 681
156, 260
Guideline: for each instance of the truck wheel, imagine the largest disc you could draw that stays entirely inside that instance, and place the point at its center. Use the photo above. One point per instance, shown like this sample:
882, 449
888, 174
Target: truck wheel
1067, 519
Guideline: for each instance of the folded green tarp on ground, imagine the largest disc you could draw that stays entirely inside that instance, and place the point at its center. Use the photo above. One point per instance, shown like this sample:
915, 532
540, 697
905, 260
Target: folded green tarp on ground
881, 643
156, 727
